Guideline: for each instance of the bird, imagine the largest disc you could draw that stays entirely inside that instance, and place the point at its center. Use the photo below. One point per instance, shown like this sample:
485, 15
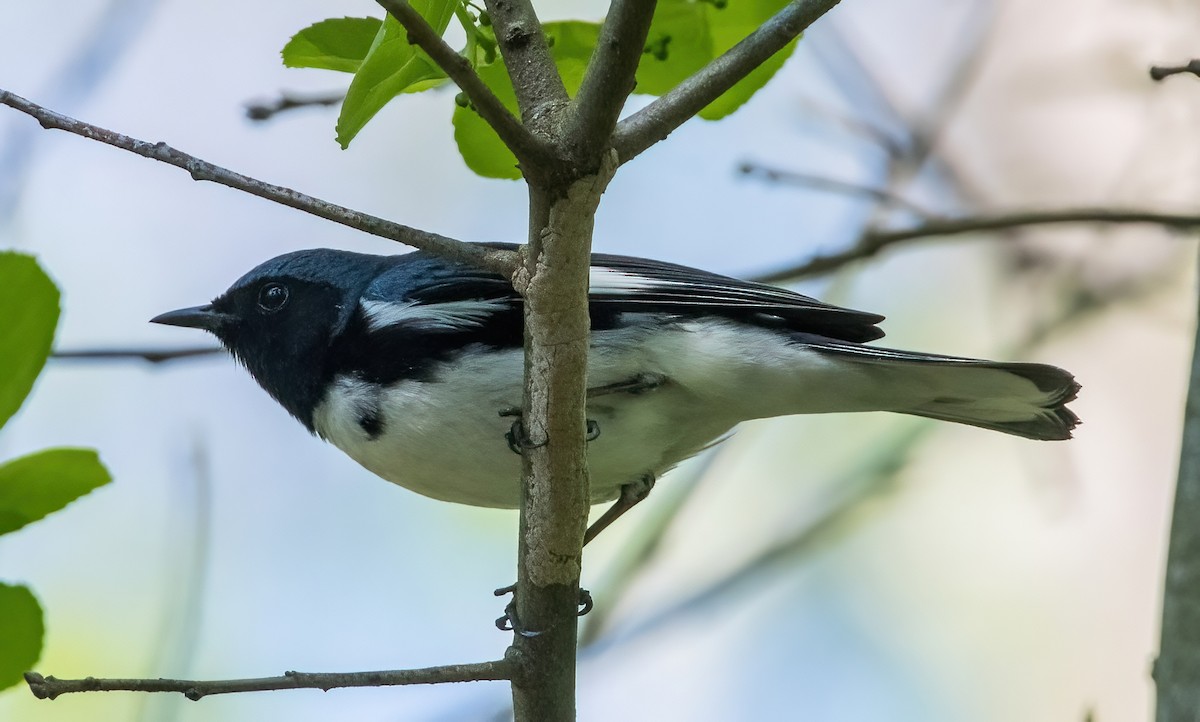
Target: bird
413, 365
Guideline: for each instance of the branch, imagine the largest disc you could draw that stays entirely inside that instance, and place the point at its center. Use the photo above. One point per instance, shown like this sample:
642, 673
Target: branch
656, 121
555, 497
1177, 669
127, 354
52, 687
530, 150
610, 75
262, 110
541, 95
1158, 72
832, 185
499, 261
872, 242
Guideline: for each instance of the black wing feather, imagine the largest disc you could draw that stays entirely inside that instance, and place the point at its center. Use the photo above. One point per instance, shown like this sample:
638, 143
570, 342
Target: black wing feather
659, 286
644, 285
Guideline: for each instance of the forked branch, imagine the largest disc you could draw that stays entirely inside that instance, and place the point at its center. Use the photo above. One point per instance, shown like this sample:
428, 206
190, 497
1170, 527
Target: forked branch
530, 150
656, 121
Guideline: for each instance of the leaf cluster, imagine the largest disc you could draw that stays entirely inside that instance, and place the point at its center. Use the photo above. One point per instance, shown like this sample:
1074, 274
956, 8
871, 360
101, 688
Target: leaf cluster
43, 482
685, 35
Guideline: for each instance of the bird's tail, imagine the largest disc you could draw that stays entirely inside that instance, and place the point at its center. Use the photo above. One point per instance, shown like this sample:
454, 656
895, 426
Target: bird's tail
1022, 399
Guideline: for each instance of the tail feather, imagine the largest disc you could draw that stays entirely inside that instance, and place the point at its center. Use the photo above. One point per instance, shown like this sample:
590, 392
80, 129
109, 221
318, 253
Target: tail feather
1022, 399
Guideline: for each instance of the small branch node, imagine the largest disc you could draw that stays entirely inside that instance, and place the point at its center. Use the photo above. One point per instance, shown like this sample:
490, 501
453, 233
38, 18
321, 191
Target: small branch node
1159, 72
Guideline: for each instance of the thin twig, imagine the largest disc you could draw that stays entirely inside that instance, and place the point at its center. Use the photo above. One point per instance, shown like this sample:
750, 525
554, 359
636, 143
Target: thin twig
555, 496
832, 185
656, 121
851, 124
1158, 72
872, 242
128, 354
530, 151
499, 261
541, 95
263, 110
52, 687
610, 75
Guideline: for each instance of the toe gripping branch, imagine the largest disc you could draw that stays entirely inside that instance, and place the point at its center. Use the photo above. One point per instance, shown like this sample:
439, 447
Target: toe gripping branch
519, 441
510, 622
631, 494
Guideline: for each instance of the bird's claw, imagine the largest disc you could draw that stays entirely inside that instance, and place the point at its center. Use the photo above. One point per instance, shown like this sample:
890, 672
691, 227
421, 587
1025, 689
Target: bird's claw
585, 602
519, 441
510, 622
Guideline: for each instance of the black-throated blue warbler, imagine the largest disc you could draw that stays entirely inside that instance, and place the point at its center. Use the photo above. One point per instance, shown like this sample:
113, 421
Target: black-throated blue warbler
407, 362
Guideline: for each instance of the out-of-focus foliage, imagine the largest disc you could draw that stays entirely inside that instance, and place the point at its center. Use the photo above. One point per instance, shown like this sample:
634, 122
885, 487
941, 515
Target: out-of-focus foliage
29, 307
21, 630
35, 485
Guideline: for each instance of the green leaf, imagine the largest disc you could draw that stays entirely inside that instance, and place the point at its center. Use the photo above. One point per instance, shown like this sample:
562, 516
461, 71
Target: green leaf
333, 44
21, 632
392, 66
681, 35
29, 309
480, 147
689, 34
33, 486
741, 18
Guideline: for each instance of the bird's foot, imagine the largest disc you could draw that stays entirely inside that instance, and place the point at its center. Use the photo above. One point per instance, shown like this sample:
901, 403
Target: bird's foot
632, 494
510, 622
518, 440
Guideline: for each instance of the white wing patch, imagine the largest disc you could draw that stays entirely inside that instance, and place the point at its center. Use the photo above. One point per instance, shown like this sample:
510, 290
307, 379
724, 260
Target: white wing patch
611, 282
448, 316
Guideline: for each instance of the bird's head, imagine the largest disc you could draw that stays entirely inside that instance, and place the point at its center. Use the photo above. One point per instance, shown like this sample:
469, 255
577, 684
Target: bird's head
281, 319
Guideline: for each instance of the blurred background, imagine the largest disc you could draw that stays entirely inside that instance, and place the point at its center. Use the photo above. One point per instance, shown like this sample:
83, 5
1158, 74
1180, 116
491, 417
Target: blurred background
837, 568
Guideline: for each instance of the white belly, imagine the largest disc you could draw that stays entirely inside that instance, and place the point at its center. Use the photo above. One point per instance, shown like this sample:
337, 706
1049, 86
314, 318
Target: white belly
446, 439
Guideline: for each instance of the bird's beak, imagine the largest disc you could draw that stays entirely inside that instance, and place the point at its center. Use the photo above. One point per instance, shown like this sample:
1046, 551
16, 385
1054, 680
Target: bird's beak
202, 317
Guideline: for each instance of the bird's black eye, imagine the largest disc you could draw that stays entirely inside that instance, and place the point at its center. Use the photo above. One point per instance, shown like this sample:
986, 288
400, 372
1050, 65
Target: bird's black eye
272, 297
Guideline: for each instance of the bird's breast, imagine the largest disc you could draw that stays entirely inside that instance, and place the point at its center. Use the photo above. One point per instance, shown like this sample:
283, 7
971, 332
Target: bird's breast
444, 436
